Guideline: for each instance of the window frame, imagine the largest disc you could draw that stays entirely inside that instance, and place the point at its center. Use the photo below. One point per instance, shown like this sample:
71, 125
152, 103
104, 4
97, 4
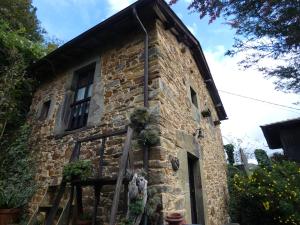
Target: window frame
45, 110
79, 109
194, 97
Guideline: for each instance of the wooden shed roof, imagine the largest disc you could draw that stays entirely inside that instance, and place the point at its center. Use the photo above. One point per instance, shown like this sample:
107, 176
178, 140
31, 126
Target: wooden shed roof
272, 131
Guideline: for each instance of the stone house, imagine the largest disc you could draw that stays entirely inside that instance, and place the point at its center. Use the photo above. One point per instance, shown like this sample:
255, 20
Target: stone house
90, 85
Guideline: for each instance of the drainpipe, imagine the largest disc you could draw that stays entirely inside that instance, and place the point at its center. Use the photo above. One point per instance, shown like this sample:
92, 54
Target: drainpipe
146, 79
146, 93
146, 59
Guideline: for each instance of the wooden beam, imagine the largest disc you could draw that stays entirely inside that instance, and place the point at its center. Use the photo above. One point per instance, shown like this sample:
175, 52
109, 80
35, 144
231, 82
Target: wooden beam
101, 157
96, 202
79, 199
53, 211
123, 163
70, 205
131, 159
169, 25
105, 135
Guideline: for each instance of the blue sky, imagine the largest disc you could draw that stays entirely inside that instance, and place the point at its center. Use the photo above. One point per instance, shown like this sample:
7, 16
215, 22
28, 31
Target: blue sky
65, 19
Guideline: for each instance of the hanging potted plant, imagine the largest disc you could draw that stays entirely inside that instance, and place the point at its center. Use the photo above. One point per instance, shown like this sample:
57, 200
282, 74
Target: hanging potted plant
206, 113
78, 170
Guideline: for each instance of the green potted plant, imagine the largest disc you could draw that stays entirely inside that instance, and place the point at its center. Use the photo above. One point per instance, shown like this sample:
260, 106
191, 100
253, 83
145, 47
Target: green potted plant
148, 137
80, 169
84, 219
206, 113
13, 196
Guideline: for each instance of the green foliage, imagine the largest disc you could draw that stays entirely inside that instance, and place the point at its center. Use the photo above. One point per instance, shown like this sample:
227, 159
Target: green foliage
269, 29
17, 172
21, 43
139, 118
126, 221
229, 148
148, 137
262, 158
136, 207
21, 14
206, 113
154, 205
268, 196
80, 169
278, 157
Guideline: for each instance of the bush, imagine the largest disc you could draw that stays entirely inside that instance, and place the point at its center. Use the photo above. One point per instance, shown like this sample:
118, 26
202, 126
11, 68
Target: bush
80, 169
17, 172
278, 157
269, 196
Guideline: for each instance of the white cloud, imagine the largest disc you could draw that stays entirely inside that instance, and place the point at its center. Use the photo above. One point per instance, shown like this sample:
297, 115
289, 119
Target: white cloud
193, 28
245, 115
117, 5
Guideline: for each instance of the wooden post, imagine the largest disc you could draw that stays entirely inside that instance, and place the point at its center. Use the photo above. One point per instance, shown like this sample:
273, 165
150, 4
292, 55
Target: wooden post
123, 163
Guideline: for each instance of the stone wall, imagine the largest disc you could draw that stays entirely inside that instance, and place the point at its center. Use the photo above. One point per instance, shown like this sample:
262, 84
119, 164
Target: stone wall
121, 77
179, 120
117, 90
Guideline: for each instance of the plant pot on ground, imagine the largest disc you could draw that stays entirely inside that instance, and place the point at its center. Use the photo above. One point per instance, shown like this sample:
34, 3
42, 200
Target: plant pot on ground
12, 198
78, 170
84, 219
9, 216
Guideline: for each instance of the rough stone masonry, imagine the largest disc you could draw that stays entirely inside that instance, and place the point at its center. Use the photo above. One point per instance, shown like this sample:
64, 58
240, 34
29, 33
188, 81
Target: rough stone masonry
174, 84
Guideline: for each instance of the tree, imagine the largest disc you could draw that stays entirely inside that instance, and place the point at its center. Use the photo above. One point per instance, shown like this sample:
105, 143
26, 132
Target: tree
229, 148
21, 15
21, 43
262, 158
264, 29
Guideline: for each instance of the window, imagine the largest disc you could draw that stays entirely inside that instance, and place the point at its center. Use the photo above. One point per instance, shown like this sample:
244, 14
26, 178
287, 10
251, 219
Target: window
194, 97
45, 110
83, 93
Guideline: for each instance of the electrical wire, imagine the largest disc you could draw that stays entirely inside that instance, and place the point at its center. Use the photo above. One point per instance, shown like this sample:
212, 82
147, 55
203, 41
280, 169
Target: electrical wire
263, 101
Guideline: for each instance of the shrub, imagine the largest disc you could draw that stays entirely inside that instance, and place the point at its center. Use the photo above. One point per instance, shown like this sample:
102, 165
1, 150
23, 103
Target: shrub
17, 172
269, 196
80, 169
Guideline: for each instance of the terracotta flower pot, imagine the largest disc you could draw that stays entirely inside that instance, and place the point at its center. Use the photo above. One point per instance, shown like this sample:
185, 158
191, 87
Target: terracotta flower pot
8, 216
84, 222
175, 219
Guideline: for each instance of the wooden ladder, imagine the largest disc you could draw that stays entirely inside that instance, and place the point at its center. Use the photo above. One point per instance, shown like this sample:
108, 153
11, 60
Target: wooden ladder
63, 216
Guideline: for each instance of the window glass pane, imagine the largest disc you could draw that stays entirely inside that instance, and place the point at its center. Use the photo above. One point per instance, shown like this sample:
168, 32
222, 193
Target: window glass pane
90, 90
80, 94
